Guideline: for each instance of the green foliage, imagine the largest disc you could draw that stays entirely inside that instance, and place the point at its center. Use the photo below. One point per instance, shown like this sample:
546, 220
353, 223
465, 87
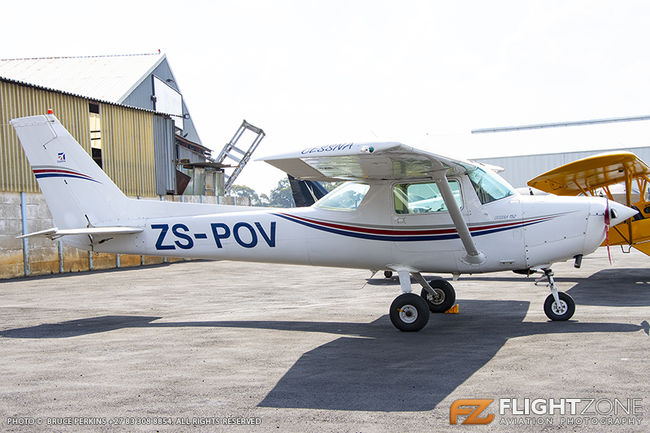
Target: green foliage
240, 191
329, 186
281, 196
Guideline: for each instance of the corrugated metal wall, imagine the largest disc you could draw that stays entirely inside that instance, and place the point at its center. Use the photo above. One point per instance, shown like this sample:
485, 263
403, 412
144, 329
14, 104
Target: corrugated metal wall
518, 170
127, 138
141, 95
18, 101
164, 150
127, 149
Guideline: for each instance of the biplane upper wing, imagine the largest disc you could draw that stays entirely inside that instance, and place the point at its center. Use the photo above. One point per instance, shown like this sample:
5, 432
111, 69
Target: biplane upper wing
381, 161
590, 173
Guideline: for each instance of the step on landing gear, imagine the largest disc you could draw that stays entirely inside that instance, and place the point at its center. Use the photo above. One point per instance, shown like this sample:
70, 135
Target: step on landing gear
558, 306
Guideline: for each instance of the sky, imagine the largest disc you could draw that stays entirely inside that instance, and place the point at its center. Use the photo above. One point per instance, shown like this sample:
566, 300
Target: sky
424, 73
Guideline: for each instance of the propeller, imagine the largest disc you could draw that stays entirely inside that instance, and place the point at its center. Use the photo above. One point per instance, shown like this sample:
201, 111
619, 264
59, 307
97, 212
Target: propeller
607, 223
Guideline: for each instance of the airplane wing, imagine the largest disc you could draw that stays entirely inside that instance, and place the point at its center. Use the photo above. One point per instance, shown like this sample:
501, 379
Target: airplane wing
644, 248
55, 233
590, 173
381, 161
366, 161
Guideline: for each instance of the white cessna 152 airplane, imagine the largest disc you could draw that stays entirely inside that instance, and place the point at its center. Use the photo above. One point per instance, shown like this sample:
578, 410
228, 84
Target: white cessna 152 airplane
405, 210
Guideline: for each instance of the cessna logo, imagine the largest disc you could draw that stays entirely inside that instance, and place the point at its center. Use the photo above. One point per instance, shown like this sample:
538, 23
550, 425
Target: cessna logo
472, 409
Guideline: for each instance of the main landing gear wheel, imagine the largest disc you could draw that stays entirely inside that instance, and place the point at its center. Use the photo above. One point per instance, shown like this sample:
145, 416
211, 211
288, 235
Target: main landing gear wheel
444, 296
563, 311
388, 274
409, 312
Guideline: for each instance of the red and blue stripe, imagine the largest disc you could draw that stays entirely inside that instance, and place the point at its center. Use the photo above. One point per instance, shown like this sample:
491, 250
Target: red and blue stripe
45, 172
407, 235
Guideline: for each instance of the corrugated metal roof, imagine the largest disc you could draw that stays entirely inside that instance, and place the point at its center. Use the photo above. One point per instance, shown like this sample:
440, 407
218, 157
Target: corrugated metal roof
107, 78
76, 95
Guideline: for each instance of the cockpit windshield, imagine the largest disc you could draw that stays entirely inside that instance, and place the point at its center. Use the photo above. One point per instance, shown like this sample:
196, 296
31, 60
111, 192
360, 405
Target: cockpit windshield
488, 185
346, 197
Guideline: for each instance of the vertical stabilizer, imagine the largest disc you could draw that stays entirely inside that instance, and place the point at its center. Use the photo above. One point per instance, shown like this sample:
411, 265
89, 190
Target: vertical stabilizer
77, 191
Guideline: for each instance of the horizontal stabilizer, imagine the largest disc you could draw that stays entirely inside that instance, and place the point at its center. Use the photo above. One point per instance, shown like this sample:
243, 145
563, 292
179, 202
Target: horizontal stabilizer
54, 232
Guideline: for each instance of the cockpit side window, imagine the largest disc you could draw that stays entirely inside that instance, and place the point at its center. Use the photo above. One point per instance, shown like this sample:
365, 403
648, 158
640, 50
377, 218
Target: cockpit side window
417, 198
489, 186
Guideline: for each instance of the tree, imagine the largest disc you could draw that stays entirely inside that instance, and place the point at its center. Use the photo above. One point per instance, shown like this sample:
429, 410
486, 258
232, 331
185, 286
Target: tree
240, 191
329, 186
281, 196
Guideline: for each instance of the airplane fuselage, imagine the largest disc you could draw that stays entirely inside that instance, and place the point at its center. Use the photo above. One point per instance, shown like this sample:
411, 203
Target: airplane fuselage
408, 211
515, 232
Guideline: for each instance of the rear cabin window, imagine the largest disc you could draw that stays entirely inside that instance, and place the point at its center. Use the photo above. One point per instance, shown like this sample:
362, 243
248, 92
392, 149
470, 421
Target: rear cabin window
346, 197
417, 198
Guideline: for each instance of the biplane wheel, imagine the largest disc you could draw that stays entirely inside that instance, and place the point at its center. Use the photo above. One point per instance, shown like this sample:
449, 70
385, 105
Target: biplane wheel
388, 274
409, 312
444, 298
564, 311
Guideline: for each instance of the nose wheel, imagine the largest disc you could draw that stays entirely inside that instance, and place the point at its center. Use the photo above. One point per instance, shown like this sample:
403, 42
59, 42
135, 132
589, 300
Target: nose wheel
558, 306
562, 310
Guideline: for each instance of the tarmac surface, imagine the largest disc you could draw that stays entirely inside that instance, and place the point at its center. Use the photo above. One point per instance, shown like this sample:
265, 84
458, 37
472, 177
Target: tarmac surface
263, 347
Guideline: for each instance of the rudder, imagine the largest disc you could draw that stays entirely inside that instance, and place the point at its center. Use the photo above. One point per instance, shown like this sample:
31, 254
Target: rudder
77, 191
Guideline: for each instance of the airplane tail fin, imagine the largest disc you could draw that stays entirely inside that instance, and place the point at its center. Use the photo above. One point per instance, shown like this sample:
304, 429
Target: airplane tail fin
76, 189
306, 192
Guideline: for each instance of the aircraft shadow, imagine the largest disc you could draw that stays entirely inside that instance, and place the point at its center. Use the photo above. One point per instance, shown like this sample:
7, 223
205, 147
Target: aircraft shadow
628, 287
76, 328
372, 366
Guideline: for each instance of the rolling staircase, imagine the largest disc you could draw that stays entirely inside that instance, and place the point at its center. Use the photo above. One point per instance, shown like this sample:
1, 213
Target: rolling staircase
234, 156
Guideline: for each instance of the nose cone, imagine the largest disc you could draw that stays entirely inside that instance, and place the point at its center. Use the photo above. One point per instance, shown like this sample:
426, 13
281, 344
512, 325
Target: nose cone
619, 213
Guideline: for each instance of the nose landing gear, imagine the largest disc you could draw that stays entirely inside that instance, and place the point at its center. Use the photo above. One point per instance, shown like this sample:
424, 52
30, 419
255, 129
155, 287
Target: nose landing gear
558, 306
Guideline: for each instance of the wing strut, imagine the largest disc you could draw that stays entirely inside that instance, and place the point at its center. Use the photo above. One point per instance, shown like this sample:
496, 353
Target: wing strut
474, 256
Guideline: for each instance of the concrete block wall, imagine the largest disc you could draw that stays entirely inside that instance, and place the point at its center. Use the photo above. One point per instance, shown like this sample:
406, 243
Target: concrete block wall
11, 249
44, 256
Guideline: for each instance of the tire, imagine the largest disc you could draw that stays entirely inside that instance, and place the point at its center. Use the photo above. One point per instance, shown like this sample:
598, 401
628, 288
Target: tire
566, 310
446, 296
409, 312
388, 274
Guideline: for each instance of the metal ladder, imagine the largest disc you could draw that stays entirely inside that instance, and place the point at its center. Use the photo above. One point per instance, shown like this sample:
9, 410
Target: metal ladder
237, 157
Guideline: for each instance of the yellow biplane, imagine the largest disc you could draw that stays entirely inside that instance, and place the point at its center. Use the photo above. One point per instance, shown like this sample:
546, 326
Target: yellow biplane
601, 175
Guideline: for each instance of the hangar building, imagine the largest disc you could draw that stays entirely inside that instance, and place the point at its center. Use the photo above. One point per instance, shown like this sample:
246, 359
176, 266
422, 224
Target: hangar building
518, 170
128, 113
